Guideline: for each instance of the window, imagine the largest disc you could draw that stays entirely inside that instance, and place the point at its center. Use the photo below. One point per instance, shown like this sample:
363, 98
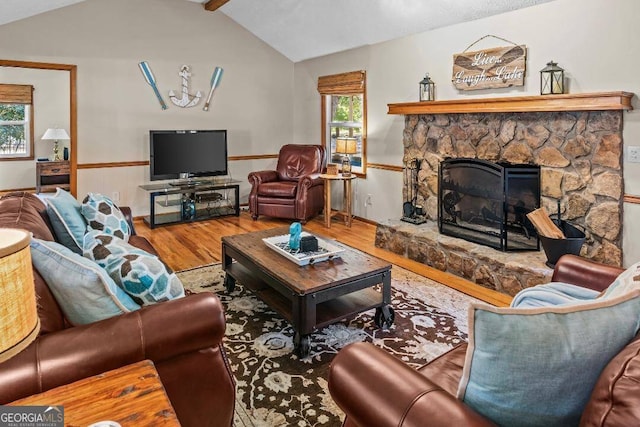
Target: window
16, 122
344, 114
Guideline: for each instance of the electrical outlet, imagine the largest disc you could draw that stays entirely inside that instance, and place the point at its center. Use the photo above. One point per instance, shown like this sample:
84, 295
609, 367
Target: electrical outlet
633, 154
115, 196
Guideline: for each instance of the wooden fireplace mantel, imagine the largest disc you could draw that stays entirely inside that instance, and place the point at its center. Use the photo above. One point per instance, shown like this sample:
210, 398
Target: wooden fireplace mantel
520, 104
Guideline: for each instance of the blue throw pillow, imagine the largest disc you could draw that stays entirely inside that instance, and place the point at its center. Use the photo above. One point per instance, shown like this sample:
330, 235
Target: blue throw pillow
538, 366
83, 290
102, 214
140, 274
66, 219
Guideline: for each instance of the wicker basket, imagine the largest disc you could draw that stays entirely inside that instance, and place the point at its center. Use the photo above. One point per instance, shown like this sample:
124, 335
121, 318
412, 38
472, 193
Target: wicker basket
332, 169
19, 322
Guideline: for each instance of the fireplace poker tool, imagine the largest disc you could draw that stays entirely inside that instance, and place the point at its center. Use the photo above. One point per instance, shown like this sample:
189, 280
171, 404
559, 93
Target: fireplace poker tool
411, 212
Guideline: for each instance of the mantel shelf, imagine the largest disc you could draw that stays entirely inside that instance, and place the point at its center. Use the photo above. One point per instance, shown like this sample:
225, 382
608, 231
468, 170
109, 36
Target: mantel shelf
520, 104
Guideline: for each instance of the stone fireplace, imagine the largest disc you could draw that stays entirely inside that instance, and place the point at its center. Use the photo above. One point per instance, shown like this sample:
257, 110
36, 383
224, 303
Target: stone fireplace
575, 140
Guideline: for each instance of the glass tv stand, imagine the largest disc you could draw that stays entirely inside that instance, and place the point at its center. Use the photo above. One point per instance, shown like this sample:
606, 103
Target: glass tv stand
188, 201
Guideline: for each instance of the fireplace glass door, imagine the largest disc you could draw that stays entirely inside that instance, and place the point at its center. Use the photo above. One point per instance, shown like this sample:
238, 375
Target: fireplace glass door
487, 203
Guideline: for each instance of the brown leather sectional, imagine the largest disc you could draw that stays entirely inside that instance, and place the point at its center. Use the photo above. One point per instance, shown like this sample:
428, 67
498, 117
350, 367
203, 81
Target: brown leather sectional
182, 337
375, 388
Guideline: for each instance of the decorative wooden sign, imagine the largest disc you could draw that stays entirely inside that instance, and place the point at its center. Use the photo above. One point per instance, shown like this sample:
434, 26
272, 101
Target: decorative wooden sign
490, 68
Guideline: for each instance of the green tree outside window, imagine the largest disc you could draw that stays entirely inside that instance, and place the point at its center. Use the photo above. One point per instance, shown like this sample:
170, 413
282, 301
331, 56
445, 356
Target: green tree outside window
13, 125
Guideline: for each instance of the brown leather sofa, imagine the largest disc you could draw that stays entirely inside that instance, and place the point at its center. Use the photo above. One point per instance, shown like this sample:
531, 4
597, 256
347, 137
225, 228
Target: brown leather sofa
294, 190
182, 337
374, 388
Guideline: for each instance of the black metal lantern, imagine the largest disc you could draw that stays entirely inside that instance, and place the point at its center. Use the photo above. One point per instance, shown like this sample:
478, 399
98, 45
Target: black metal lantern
551, 79
427, 89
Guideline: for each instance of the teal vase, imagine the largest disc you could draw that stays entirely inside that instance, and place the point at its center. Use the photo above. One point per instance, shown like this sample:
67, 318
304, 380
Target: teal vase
295, 230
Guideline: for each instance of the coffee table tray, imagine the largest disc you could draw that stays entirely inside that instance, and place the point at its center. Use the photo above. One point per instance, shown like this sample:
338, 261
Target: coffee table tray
326, 250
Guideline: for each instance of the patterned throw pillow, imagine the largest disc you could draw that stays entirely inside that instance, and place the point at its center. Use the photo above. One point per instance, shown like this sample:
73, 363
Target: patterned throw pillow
627, 281
102, 214
140, 274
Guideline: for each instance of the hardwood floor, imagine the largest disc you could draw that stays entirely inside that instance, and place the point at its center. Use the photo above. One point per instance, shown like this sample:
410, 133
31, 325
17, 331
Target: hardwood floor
185, 246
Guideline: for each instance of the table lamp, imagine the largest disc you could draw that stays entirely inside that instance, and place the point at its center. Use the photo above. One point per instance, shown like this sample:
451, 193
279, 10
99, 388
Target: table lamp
346, 146
55, 135
19, 321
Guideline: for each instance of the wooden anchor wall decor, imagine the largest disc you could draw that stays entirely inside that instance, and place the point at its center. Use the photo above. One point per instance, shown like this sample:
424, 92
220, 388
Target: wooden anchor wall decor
187, 100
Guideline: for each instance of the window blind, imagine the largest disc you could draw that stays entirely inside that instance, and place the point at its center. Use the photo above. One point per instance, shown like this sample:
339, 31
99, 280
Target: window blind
16, 94
344, 83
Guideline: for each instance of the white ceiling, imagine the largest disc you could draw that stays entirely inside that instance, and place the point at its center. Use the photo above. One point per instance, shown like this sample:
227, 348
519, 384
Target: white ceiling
13, 10
303, 29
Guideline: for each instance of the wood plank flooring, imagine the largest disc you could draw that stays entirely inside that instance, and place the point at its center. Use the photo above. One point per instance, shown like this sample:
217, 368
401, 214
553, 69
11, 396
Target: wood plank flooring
190, 245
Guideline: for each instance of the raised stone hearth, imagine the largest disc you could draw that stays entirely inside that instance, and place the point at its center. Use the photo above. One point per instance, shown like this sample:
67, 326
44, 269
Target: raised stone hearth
506, 272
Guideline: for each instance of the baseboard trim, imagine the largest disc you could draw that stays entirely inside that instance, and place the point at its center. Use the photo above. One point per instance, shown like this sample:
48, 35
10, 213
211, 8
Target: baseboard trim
13, 190
367, 220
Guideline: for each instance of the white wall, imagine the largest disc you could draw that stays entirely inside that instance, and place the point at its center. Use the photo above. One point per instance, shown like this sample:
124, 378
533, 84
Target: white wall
51, 110
593, 40
116, 107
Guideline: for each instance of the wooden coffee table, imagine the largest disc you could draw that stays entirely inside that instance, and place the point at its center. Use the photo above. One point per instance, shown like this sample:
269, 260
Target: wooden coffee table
310, 296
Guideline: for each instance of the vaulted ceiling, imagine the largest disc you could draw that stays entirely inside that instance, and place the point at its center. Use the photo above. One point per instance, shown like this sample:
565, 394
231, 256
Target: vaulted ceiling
303, 29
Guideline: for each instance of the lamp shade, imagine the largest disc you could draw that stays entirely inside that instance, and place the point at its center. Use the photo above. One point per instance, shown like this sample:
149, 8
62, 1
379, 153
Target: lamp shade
346, 145
55, 134
19, 322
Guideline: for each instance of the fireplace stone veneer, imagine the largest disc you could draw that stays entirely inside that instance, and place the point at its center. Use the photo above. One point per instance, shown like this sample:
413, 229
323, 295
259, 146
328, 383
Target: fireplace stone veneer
575, 139
579, 154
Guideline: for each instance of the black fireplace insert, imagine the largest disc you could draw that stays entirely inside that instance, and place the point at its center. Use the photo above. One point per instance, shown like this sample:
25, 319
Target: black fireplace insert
487, 203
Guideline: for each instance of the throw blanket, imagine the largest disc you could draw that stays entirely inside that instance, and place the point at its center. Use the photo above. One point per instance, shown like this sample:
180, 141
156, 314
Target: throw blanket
553, 294
556, 293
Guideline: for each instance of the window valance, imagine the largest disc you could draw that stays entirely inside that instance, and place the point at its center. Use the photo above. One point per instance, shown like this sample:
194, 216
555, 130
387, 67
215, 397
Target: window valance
343, 83
16, 94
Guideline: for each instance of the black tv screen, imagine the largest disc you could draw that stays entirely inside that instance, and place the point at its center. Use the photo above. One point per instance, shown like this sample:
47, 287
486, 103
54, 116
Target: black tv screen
194, 152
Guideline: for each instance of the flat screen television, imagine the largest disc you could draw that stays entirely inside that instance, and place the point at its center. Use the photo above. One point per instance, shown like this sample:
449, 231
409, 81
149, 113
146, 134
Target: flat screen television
177, 154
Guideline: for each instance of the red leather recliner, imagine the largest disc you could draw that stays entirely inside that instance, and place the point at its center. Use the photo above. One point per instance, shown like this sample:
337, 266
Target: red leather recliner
294, 190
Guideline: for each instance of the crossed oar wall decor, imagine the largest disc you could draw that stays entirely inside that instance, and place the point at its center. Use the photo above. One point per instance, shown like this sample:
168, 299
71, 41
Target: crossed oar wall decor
186, 100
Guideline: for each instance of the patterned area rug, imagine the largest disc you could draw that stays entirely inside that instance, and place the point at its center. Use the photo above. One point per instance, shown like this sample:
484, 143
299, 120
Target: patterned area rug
276, 388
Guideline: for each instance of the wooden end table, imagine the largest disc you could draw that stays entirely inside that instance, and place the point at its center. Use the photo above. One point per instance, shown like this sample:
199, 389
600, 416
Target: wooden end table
131, 395
51, 175
346, 211
310, 296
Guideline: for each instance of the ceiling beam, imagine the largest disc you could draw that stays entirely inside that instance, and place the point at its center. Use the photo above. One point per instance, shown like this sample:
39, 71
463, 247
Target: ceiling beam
212, 5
